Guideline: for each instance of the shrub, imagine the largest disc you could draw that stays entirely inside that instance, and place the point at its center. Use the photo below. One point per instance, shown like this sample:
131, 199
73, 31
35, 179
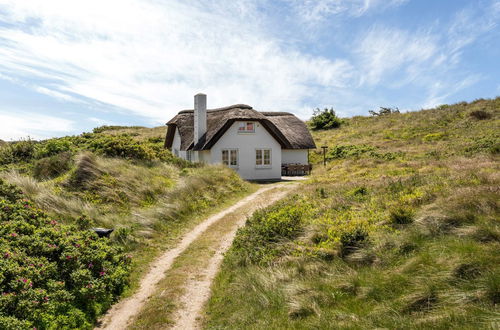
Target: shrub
346, 151
121, 146
105, 128
434, 137
19, 151
351, 240
384, 111
52, 275
257, 242
325, 119
53, 166
52, 147
480, 115
401, 215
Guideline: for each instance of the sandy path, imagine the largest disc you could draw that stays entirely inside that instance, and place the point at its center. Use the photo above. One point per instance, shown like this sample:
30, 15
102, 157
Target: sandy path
198, 287
119, 316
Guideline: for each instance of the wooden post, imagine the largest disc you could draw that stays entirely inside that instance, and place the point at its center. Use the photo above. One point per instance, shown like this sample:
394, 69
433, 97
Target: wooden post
324, 154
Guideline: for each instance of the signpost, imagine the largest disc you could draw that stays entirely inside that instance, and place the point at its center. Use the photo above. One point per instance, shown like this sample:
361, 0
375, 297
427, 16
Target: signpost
324, 154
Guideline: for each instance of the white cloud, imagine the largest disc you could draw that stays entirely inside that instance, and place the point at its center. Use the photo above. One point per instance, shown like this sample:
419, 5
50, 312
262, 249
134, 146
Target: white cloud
384, 51
151, 58
17, 125
314, 11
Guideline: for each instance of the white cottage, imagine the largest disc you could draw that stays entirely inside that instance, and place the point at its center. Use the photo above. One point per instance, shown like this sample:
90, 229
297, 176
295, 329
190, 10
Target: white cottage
258, 145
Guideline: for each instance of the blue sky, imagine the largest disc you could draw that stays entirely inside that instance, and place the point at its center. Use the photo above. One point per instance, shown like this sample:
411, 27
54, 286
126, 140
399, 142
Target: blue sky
69, 66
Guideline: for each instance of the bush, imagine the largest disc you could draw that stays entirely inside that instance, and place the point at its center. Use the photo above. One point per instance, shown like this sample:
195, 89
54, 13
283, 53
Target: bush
52, 147
325, 119
53, 275
52, 167
121, 146
345, 151
384, 111
401, 216
19, 151
257, 241
480, 115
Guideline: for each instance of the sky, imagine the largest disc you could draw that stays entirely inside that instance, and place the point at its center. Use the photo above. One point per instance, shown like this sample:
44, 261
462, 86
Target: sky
67, 66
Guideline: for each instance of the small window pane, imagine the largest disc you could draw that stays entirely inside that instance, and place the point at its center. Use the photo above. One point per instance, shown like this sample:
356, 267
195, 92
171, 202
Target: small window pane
225, 157
258, 157
250, 127
242, 127
267, 157
234, 158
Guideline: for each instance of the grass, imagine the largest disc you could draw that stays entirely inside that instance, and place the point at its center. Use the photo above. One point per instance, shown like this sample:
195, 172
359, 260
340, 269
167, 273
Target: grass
149, 201
159, 311
399, 230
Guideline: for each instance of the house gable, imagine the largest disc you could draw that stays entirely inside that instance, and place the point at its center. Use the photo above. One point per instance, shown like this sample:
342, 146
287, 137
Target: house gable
289, 131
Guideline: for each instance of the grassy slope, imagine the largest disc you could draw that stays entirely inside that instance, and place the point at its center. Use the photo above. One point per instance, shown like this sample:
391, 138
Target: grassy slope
149, 203
400, 230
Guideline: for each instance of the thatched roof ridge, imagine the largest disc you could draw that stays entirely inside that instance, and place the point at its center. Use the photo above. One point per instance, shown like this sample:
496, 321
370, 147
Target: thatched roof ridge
288, 130
239, 106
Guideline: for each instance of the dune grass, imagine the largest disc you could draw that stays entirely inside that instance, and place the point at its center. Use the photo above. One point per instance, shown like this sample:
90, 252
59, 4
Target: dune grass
121, 178
400, 230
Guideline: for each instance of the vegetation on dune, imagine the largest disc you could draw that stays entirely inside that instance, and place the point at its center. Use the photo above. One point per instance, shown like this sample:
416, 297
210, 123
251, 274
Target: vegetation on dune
53, 276
119, 177
409, 240
324, 119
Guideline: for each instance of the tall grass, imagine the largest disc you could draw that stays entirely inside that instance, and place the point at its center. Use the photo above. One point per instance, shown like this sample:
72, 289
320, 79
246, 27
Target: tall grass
387, 242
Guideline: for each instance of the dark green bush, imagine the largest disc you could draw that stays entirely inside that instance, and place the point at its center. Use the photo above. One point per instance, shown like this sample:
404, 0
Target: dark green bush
52, 275
105, 128
19, 151
346, 151
257, 242
480, 115
51, 167
384, 111
52, 147
401, 215
324, 119
351, 240
121, 146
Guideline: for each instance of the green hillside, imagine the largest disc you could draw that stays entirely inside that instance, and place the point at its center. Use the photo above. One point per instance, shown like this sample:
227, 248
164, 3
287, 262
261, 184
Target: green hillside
54, 271
400, 230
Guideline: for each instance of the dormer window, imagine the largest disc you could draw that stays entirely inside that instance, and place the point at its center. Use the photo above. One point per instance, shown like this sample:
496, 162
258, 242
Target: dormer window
246, 127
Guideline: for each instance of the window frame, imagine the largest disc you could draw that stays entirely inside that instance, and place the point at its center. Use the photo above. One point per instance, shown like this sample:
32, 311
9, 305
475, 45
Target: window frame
230, 158
262, 158
245, 129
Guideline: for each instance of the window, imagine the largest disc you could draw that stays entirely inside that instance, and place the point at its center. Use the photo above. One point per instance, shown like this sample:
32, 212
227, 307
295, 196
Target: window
189, 155
246, 127
230, 157
263, 157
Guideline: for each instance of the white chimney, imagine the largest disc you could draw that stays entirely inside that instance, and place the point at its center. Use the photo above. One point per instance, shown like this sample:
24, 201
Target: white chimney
200, 116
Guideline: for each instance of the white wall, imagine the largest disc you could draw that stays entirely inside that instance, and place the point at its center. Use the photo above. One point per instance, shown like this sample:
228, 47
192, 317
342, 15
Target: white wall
294, 156
246, 143
176, 144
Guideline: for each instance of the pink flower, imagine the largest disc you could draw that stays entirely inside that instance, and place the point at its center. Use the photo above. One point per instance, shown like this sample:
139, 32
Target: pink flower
13, 234
6, 255
53, 222
91, 265
68, 257
102, 273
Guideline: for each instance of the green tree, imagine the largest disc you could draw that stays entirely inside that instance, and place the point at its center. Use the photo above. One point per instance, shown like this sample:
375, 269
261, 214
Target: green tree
325, 119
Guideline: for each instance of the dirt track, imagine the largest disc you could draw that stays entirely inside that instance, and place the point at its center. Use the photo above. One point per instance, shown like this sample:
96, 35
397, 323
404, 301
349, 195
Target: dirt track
197, 291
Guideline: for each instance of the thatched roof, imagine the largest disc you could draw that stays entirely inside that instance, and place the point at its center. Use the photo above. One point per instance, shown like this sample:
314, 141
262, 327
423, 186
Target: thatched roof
288, 130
